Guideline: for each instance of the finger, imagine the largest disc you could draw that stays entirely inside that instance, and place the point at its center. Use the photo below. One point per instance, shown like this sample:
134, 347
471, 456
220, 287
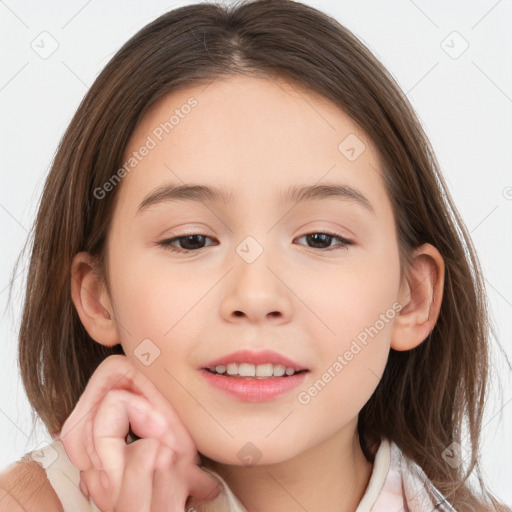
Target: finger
116, 412
170, 488
78, 442
89, 443
137, 486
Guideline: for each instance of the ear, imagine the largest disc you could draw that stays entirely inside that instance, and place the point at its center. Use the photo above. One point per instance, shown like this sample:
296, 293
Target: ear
420, 295
92, 300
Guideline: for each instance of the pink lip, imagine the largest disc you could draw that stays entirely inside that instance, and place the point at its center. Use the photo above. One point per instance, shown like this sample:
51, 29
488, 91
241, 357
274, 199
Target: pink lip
250, 389
251, 357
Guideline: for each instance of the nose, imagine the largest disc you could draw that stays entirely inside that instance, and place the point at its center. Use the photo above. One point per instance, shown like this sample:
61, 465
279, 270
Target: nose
256, 292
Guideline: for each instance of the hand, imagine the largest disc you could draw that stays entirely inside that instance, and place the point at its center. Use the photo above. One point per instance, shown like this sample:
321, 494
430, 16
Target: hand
157, 472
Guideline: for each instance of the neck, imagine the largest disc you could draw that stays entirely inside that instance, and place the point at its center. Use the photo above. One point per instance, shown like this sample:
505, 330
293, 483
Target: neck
331, 476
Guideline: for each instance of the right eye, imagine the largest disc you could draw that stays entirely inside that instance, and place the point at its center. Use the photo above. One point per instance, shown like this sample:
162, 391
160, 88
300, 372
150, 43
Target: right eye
190, 242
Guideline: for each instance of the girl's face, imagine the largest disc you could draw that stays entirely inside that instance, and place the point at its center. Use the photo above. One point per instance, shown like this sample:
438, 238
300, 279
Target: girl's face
258, 278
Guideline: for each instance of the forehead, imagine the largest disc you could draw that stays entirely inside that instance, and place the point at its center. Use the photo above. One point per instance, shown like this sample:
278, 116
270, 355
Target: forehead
251, 135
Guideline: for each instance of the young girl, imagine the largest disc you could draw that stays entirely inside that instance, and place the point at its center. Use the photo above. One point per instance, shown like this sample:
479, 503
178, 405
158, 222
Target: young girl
249, 287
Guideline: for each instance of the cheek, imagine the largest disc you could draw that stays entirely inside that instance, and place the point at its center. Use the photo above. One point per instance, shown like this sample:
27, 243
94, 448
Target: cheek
350, 299
152, 299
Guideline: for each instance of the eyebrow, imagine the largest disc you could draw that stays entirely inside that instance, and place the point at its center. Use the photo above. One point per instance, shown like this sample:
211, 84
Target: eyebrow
295, 193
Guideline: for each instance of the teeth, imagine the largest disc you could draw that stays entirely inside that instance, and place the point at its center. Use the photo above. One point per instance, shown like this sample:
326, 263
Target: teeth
251, 370
220, 369
264, 370
246, 370
279, 370
232, 368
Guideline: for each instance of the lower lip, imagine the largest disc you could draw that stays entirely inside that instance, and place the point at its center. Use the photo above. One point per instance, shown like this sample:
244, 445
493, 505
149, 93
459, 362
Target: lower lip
254, 390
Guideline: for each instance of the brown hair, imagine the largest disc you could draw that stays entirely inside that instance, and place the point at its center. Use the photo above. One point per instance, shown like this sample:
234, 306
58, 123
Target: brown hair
426, 395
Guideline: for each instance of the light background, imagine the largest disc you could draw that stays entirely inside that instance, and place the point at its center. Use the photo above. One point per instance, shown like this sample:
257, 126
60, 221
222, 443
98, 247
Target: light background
464, 104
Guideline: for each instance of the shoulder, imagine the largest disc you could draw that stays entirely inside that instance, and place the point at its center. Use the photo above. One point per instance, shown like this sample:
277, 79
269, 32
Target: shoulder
24, 487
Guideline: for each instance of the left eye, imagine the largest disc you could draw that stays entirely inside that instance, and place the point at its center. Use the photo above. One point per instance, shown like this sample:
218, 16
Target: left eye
195, 242
326, 238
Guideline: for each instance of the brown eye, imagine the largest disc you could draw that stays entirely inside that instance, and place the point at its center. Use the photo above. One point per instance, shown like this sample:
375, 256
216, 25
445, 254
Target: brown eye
321, 240
186, 243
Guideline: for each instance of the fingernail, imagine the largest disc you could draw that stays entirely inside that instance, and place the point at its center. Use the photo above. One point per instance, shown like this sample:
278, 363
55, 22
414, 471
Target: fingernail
105, 482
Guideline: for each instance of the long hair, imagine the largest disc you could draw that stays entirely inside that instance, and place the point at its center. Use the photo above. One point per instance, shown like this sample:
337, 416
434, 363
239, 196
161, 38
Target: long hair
426, 395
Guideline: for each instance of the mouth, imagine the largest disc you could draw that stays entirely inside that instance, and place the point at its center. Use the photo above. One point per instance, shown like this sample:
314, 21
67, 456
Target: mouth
252, 376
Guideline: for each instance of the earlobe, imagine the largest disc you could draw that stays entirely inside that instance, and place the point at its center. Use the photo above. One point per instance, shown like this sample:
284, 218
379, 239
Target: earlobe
92, 300
421, 293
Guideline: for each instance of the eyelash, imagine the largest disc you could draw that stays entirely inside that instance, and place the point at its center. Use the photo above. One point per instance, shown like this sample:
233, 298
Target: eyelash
168, 243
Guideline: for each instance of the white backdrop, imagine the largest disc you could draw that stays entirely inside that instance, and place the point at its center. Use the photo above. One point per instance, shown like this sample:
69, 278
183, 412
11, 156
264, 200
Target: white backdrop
453, 59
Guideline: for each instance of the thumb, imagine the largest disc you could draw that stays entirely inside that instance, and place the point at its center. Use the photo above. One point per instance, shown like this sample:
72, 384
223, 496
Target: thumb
202, 485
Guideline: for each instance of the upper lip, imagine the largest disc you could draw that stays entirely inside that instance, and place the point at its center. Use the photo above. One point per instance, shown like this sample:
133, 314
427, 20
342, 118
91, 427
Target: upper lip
252, 357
